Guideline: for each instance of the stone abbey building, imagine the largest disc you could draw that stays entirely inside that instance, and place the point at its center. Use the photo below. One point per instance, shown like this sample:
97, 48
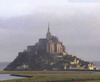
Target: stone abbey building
50, 44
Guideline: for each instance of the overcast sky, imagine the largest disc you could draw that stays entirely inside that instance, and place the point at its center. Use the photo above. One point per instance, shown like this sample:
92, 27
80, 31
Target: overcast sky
76, 24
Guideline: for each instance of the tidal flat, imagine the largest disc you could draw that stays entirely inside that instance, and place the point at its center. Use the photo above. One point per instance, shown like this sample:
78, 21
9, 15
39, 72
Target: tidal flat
54, 76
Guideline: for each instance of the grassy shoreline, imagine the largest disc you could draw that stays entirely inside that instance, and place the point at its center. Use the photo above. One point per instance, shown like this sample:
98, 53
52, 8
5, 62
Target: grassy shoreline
54, 76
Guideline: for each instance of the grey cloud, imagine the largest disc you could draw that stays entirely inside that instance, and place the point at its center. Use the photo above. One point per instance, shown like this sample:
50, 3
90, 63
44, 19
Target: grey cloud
77, 28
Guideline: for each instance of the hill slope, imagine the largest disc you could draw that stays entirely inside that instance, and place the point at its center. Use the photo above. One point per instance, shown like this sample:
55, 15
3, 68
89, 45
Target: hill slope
47, 61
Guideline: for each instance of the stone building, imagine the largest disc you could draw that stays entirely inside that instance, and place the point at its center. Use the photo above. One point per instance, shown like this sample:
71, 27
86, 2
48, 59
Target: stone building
50, 44
53, 44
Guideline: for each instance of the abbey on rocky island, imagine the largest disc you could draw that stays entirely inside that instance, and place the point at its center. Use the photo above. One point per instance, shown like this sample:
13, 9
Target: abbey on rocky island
48, 54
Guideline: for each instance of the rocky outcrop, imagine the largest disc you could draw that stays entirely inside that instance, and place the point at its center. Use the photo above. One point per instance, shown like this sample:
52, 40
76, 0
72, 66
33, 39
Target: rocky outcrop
47, 61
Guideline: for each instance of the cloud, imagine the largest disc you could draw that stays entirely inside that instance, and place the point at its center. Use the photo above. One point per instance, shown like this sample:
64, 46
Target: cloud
14, 8
84, 0
76, 25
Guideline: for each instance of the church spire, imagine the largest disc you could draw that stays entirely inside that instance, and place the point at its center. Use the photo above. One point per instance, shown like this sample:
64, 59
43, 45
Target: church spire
48, 27
48, 35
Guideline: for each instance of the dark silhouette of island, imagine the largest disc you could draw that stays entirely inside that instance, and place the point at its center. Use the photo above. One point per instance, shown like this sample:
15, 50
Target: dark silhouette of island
48, 54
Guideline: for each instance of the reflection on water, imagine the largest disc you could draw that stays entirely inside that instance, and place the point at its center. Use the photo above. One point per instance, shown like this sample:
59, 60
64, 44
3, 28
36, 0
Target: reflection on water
8, 76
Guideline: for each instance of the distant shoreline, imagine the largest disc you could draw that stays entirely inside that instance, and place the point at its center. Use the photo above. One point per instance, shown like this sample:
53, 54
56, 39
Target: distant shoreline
51, 72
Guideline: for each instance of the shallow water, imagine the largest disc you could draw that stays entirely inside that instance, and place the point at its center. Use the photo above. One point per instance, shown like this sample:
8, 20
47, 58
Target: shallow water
8, 76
